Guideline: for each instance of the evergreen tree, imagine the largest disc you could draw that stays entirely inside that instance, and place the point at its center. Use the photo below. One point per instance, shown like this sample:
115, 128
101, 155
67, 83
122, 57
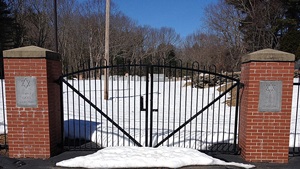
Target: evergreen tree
270, 24
6, 26
290, 27
6, 31
291, 18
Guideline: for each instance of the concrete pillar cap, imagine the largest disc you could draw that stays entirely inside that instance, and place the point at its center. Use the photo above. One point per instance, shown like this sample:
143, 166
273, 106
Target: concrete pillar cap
268, 55
31, 52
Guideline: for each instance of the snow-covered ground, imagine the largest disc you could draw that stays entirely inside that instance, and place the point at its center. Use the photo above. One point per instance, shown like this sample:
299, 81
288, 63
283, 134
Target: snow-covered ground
145, 157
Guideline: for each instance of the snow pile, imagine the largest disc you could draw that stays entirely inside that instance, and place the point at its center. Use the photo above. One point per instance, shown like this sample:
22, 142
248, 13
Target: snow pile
136, 157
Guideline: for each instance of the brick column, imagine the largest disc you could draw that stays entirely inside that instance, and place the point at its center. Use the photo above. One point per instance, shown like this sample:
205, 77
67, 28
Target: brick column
265, 115
33, 102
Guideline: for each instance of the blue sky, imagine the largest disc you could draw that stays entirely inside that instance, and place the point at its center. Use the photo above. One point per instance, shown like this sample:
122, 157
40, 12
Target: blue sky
185, 16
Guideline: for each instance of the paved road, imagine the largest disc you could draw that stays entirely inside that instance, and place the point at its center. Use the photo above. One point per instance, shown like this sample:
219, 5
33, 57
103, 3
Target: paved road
8, 163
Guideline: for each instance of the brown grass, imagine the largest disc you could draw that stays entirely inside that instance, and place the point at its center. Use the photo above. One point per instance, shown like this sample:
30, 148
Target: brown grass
188, 84
2, 142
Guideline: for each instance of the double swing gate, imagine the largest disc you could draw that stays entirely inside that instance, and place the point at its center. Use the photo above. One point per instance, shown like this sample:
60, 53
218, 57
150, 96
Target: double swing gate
161, 104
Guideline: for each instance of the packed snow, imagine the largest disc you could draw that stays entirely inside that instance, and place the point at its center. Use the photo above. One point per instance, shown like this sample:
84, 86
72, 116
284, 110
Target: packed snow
144, 157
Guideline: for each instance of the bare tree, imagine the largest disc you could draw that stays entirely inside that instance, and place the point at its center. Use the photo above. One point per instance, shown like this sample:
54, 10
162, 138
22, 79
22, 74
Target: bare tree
206, 49
259, 22
167, 40
70, 33
123, 37
157, 43
38, 22
224, 21
92, 14
81, 32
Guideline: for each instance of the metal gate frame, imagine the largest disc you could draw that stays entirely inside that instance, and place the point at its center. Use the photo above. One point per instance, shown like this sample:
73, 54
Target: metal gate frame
150, 69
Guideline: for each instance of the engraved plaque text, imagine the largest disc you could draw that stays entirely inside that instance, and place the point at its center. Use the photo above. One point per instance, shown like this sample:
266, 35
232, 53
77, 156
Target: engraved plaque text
270, 93
26, 91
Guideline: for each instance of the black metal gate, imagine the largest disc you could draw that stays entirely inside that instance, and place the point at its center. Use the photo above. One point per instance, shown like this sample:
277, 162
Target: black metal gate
295, 125
162, 104
3, 120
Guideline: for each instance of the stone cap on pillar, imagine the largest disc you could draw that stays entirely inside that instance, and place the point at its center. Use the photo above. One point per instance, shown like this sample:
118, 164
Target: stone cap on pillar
31, 52
268, 55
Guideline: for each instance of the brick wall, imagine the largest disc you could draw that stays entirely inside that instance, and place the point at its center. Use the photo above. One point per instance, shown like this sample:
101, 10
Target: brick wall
33, 131
28, 128
264, 136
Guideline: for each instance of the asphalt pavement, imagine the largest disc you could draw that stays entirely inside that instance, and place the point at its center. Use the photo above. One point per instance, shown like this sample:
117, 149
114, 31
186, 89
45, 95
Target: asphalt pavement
10, 163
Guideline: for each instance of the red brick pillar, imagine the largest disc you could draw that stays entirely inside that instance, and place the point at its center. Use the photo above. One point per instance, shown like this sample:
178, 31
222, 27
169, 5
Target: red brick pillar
33, 102
266, 106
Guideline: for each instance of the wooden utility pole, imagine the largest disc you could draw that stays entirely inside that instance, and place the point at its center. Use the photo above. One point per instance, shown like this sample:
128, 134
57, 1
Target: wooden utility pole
106, 55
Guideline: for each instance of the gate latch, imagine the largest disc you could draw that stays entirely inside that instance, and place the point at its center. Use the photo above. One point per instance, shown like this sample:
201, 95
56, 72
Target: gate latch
142, 104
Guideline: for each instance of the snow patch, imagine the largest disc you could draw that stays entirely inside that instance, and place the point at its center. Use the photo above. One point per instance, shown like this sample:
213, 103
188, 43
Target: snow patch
136, 157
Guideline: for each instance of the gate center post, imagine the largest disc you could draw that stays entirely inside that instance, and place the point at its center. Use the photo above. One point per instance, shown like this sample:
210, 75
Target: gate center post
147, 106
151, 105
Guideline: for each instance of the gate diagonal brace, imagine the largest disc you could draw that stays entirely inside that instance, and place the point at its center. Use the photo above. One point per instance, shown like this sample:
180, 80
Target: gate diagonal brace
101, 112
196, 115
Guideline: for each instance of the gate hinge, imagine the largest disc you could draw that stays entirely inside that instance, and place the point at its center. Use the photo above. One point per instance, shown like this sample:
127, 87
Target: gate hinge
58, 81
241, 85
